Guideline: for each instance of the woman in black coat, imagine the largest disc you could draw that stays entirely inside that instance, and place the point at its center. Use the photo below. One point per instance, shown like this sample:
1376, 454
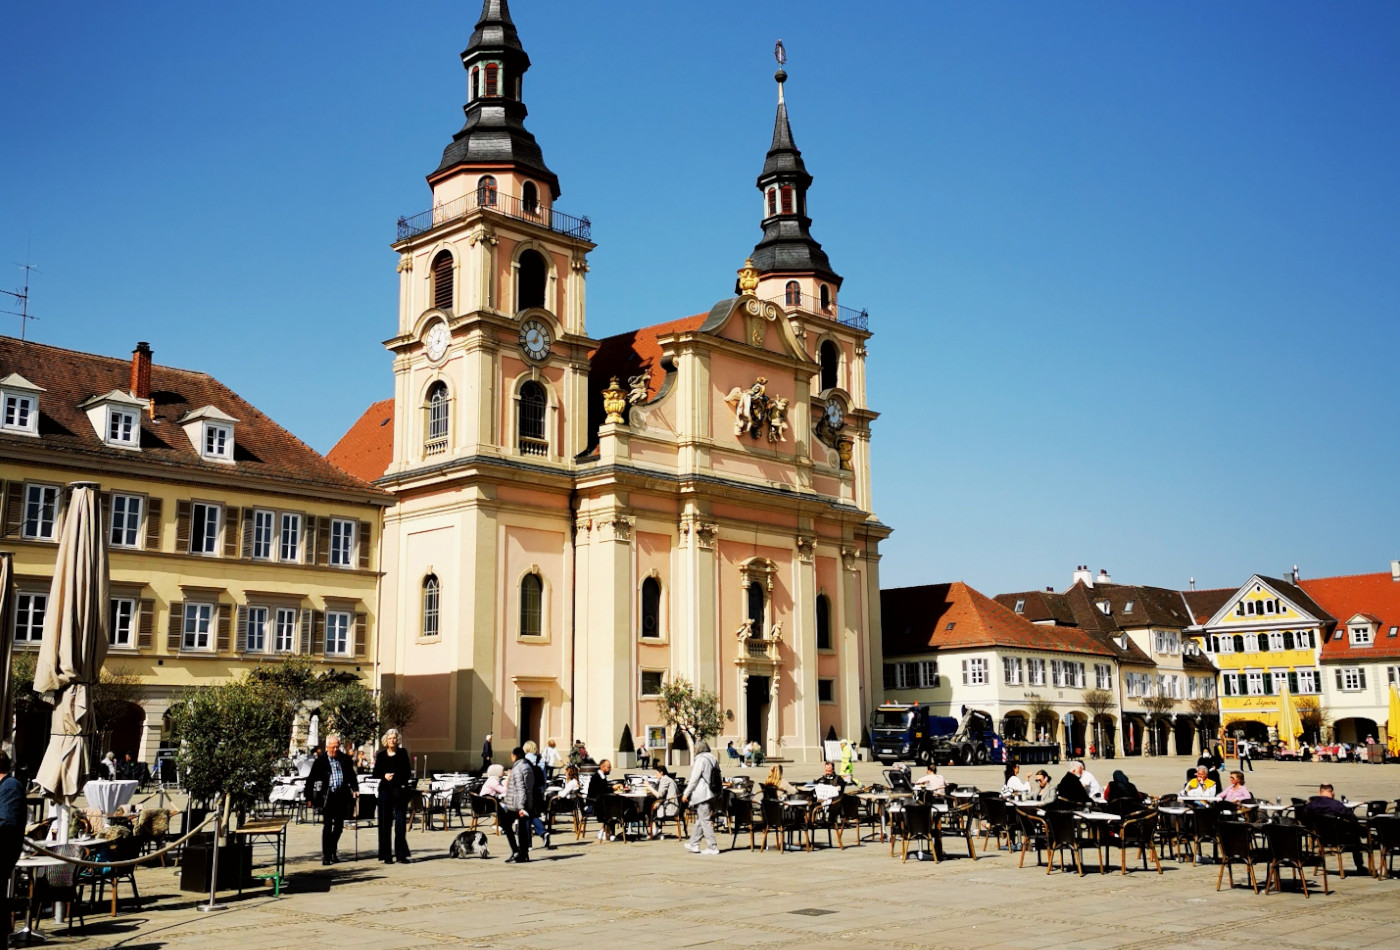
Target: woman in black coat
395, 773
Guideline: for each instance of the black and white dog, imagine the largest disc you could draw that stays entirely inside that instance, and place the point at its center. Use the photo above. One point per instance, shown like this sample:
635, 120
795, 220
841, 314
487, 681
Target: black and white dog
468, 843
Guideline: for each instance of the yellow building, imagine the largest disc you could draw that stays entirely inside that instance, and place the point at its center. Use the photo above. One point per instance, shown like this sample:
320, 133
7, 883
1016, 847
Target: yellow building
231, 542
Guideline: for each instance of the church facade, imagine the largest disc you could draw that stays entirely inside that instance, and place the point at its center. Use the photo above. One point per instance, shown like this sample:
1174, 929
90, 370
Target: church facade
576, 520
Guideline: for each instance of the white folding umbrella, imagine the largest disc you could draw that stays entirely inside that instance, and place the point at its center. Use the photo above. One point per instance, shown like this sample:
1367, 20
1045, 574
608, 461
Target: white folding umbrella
73, 648
313, 733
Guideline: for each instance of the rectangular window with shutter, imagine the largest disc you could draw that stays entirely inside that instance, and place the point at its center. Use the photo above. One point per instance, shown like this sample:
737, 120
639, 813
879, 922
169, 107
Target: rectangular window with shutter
362, 542
262, 535
30, 607
342, 543
285, 630
154, 509
255, 639
1352, 679
204, 528
126, 521
337, 633
121, 623
289, 547
40, 512
928, 674
1255, 679
198, 628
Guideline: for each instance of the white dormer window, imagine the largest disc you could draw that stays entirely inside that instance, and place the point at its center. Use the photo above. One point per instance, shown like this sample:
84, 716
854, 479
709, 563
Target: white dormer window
122, 427
211, 433
115, 417
1362, 636
1105, 607
218, 441
19, 405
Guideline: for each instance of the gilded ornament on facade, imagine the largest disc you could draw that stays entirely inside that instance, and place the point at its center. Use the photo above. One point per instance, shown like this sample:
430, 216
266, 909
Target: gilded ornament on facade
757, 413
614, 402
844, 449
748, 277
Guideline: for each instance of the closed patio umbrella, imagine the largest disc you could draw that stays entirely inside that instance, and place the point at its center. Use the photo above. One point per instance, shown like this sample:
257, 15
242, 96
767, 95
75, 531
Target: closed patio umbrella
7, 640
1392, 725
1290, 723
74, 647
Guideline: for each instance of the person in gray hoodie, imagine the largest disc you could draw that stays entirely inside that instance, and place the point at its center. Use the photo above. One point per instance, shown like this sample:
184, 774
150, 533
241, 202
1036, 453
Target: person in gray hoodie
703, 791
516, 805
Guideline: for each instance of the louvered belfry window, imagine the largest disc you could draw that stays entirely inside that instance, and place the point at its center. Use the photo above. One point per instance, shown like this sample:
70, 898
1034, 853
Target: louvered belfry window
493, 73
442, 281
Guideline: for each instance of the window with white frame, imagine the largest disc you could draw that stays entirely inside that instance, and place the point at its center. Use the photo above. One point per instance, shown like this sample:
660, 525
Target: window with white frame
1166, 642
1193, 687
1074, 675
974, 672
1351, 679
342, 542
1276, 641
289, 543
1012, 670
1133, 681
199, 621
1103, 676
256, 639
1035, 672
651, 682
1057, 673
204, 528
284, 630
1225, 644
928, 674
122, 427
29, 616
126, 521
1229, 684
1174, 686
1362, 636
262, 534
1305, 640
1392, 675
121, 619
21, 413
1207, 690
218, 441
1251, 643
40, 512
1254, 680
899, 675
338, 624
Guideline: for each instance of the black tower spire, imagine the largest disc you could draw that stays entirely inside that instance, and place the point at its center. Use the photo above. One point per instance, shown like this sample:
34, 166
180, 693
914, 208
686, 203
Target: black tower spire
495, 132
787, 245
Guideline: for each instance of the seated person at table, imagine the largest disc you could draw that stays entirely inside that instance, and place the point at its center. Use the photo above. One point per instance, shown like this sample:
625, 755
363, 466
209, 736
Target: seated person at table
1043, 792
1201, 787
1237, 792
829, 777
1071, 791
493, 786
1121, 791
1013, 786
1325, 803
775, 786
1091, 784
570, 787
668, 798
931, 781
600, 787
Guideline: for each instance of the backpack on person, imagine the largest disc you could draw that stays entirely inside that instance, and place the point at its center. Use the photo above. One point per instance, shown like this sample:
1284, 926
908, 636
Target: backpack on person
715, 779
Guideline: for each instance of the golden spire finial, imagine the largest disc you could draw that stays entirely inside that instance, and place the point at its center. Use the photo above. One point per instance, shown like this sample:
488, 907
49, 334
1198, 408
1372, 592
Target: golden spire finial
748, 277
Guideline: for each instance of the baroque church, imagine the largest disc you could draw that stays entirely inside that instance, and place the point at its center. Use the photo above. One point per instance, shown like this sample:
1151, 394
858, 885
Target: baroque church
576, 521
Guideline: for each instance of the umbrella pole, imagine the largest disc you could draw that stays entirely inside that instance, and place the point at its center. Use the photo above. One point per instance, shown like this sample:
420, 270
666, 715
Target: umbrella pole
213, 904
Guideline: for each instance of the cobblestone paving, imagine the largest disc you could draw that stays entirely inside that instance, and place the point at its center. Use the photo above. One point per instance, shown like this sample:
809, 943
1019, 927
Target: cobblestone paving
656, 894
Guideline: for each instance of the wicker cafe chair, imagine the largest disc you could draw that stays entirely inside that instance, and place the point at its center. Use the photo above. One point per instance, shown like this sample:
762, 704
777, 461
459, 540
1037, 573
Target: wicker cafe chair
1235, 845
1385, 838
1035, 833
1064, 833
1287, 849
1335, 835
781, 820
556, 805
916, 823
485, 807
1138, 830
845, 813
739, 811
60, 883
959, 821
994, 821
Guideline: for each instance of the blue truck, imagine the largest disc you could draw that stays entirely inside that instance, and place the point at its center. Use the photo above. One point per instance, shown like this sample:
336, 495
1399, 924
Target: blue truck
908, 732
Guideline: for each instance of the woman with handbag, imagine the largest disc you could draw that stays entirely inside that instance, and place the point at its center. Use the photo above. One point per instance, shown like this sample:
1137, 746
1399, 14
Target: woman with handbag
395, 774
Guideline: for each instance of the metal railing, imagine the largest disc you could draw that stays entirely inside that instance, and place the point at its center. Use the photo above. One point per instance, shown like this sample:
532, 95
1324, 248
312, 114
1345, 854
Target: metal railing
762, 648
490, 199
860, 319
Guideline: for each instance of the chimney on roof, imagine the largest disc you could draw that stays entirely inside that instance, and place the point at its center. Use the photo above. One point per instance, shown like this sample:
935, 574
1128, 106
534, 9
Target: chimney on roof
1082, 573
1395, 570
141, 371
1192, 582
1293, 577
1103, 577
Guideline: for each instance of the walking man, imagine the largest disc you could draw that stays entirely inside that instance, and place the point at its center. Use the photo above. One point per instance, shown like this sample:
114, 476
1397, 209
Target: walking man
516, 804
702, 791
336, 774
1243, 750
486, 753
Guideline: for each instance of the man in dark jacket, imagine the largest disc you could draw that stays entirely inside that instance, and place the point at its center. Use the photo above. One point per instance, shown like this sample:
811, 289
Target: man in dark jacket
13, 813
1071, 791
1325, 803
486, 753
516, 804
335, 772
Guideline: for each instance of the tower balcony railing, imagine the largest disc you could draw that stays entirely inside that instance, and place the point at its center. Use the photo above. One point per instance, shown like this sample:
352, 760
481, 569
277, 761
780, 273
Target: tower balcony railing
501, 203
859, 319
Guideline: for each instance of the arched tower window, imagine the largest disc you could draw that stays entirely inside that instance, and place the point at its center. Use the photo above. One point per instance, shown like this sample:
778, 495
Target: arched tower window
531, 427
530, 197
792, 296
830, 356
435, 432
787, 199
825, 297
493, 75
651, 608
442, 281
823, 622
486, 191
772, 201
529, 280
432, 593
531, 605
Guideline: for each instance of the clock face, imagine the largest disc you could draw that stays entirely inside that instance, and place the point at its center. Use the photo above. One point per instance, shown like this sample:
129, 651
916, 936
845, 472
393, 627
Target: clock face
534, 339
835, 417
437, 340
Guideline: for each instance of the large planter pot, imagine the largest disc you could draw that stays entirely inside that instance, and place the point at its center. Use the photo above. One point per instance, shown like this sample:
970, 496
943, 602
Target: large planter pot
235, 860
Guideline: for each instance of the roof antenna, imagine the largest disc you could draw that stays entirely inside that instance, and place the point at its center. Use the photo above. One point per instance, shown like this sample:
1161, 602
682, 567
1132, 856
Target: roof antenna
780, 54
23, 297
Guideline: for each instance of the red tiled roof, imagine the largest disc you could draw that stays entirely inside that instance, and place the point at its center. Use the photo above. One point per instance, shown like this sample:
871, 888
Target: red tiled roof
262, 448
916, 620
1205, 604
367, 449
628, 354
1344, 598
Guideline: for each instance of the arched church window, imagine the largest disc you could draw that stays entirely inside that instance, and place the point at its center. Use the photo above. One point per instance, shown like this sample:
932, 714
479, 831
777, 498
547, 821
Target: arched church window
825, 296
756, 608
830, 356
823, 622
435, 432
529, 197
792, 294
772, 201
486, 191
651, 608
531, 605
442, 281
530, 275
431, 599
492, 79
531, 427
787, 199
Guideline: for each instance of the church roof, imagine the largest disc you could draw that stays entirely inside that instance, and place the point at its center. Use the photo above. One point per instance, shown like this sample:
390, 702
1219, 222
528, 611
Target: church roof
367, 449
634, 352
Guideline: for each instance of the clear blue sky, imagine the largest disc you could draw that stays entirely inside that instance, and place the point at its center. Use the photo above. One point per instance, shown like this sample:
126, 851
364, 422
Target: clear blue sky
1132, 268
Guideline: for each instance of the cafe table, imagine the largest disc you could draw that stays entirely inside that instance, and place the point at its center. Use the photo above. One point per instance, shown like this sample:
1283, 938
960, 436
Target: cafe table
881, 802
108, 796
1099, 823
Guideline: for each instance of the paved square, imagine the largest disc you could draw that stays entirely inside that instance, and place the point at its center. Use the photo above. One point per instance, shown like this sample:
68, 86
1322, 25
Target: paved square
656, 894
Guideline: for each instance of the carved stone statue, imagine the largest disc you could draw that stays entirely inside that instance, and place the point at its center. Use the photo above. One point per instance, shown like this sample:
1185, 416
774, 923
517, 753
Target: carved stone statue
614, 403
777, 419
637, 387
745, 631
777, 632
750, 407
843, 449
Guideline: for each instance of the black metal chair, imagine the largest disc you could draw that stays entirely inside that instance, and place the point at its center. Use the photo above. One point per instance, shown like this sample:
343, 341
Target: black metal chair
1064, 833
1138, 830
739, 810
122, 849
1338, 834
917, 824
1235, 845
1288, 849
1385, 837
781, 821
994, 821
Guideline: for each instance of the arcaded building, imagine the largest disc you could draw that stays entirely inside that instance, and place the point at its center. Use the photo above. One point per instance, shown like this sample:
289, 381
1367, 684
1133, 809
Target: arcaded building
576, 520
